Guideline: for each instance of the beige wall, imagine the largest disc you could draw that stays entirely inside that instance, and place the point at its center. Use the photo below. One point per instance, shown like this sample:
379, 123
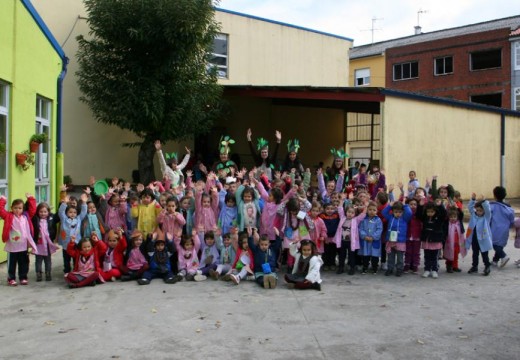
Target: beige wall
461, 146
263, 53
512, 156
376, 64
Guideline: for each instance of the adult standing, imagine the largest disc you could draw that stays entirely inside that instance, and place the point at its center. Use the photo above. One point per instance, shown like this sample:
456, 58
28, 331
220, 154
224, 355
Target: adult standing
261, 158
292, 161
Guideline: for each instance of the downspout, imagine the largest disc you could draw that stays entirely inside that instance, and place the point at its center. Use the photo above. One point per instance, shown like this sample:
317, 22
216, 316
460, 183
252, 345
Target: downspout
59, 120
502, 150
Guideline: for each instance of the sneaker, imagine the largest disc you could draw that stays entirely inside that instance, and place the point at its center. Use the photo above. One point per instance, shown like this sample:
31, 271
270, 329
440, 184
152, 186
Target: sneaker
235, 279
457, 270
449, 269
388, 272
12, 282
504, 261
39, 277
24, 282
266, 282
435, 274
364, 271
170, 280
494, 263
213, 274
517, 262
384, 266
473, 270
199, 277
487, 270
143, 281
406, 270
426, 274
48, 276
113, 279
226, 277
190, 277
415, 271
250, 278
374, 270
272, 281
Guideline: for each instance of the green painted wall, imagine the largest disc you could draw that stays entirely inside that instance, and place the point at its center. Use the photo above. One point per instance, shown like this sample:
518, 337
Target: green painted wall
31, 66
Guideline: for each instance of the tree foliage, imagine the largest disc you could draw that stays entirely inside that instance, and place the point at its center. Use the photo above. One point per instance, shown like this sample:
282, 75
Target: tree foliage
143, 68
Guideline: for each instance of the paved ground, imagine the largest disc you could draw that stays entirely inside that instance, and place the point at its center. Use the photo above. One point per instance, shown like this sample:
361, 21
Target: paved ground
458, 316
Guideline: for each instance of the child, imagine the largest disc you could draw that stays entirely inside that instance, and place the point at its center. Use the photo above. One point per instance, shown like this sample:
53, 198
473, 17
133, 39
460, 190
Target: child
206, 206
227, 218
370, 231
396, 235
18, 236
227, 254
174, 171
146, 212
188, 260
136, 263
263, 259
332, 186
159, 251
70, 226
319, 232
248, 208
306, 272
187, 208
331, 219
296, 224
455, 237
478, 235
502, 218
116, 210
44, 232
170, 220
244, 263
114, 255
86, 262
93, 222
413, 183
432, 235
412, 257
210, 256
347, 237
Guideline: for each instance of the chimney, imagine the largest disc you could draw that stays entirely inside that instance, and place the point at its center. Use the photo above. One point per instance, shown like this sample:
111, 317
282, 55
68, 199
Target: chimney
417, 30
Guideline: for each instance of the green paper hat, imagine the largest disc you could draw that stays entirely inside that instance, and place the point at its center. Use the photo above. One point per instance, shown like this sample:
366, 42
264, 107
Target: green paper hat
339, 153
225, 141
293, 146
262, 144
171, 157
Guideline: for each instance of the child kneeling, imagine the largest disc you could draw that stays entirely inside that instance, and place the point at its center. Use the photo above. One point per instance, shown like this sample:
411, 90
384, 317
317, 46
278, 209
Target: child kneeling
306, 270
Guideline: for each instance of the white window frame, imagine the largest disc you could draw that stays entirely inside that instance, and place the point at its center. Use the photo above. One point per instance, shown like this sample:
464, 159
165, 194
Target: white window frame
516, 102
4, 111
443, 59
517, 55
43, 168
363, 75
222, 70
407, 63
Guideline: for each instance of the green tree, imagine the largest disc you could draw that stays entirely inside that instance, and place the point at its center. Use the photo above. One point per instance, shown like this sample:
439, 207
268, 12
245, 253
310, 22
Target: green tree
143, 68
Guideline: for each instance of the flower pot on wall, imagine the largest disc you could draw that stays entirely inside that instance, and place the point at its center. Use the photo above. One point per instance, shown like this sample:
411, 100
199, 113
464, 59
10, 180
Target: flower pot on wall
20, 159
33, 146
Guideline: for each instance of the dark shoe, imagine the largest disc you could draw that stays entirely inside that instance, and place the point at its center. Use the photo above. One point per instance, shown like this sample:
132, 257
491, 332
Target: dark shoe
316, 286
364, 271
171, 280
126, 277
143, 281
449, 269
214, 274
473, 270
456, 270
352, 270
190, 277
340, 270
374, 270
487, 270
48, 276
39, 277
388, 272
398, 273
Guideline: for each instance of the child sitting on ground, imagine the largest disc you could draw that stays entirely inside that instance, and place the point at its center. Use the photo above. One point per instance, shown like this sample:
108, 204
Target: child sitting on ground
86, 262
306, 271
264, 259
159, 252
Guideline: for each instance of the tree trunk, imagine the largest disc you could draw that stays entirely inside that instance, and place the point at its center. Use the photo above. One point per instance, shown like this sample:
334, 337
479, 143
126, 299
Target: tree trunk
145, 162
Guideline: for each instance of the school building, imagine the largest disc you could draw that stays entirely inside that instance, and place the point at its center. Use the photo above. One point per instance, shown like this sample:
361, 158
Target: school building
31, 71
283, 77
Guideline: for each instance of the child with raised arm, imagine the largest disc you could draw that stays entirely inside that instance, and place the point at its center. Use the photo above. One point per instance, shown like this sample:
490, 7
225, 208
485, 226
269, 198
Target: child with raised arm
18, 237
159, 251
70, 226
478, 235
227, 253
502, 219
87, 269
263, 258
306, 271
146, 212
206, 205
347, 237
171, 169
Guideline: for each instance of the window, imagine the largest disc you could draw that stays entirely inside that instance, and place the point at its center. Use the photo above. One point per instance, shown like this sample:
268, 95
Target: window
42, 157
444, 65
516, 100
407, 70
517, 55
488, 99
489, 59
362, 77
4, 121
219, 56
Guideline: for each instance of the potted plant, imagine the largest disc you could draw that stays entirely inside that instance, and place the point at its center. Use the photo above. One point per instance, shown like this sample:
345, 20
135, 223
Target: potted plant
36, 140
25, 159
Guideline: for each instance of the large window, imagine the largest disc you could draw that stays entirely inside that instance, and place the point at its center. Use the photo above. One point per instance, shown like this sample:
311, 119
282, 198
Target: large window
43, 166
516, 101
4, 121
408, 70
489, 59
488, 99
362, 77
517, 55
444, 65
219, 56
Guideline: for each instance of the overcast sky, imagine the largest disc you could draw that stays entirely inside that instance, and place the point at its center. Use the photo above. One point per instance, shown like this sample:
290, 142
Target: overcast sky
396, 18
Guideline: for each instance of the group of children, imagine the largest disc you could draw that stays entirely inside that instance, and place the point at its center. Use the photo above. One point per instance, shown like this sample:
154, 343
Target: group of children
241, 225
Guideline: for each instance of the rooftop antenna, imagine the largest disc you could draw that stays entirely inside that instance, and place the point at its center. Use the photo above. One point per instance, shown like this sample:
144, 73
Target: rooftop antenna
418, 26
373, 29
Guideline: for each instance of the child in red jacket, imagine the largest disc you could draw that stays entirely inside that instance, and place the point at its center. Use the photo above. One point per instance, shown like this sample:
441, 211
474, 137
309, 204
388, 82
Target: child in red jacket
114, 255
18, 235
86, 262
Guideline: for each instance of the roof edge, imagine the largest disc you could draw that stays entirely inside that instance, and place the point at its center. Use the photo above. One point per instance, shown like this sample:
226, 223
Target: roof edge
43, 27
284, 24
